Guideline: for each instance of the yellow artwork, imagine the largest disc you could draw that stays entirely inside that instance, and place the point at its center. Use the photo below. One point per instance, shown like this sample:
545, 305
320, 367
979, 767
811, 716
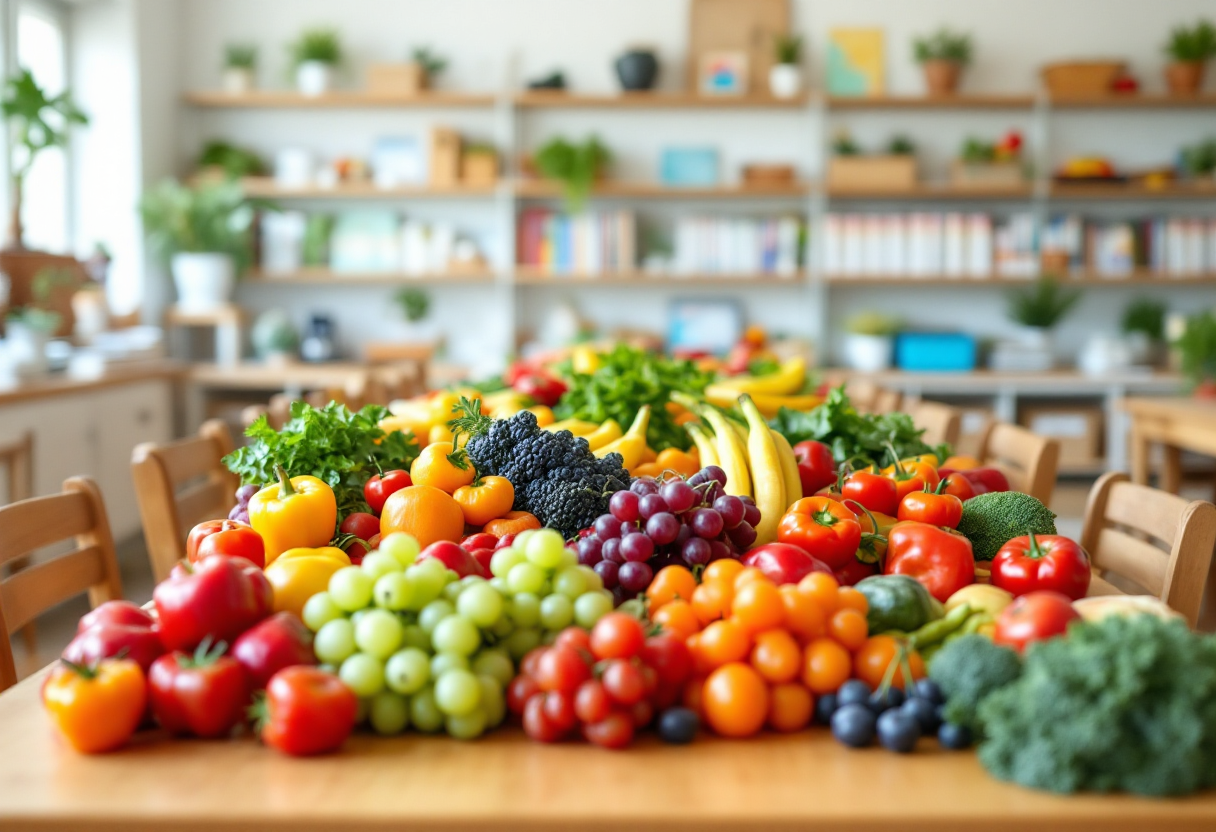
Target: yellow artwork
856, 62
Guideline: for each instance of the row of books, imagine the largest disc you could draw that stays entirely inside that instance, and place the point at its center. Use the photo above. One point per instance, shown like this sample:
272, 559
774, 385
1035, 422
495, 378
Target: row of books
928, 244
589, 243
1170, 246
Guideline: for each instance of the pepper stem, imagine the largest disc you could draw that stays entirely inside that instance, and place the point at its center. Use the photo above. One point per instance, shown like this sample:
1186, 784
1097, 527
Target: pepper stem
286, 489
1036, 551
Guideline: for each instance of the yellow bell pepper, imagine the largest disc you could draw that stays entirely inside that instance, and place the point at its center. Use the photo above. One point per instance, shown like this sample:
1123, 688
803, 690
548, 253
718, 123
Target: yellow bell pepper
299, 574
294, 512
585, 360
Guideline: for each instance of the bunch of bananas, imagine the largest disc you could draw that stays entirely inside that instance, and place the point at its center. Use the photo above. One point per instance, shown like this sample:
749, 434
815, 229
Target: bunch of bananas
769, 393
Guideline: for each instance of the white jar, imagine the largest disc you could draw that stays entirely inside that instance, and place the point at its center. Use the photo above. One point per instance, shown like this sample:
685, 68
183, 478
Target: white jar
314, 78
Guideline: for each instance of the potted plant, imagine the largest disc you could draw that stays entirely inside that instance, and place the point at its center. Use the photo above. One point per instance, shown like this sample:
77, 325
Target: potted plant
35, 122
851, 170
205, 233
27, 331
575, 166
1039, 308
430, 64
1199, 159
315, 56
942, 56
785, 76
869, 341
1197, 352
1189, 50
1144, 328
240, 67
985, 164
415, 306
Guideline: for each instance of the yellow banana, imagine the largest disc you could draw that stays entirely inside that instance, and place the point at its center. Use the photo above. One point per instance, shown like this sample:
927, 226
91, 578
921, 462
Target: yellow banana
576, 426
704, 443
766, 403
789, 379
632, 445
610, 431
789, 469
767, 478
732, 453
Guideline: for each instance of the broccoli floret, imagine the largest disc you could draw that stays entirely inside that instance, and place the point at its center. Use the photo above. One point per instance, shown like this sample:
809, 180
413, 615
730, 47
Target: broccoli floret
969, 668
991, 520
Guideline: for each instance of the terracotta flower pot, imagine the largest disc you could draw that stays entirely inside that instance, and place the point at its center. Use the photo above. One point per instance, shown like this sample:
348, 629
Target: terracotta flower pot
1184, 77
941, 77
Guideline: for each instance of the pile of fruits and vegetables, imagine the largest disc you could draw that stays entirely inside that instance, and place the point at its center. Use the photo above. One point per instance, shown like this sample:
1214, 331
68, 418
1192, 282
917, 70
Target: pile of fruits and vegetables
623, 543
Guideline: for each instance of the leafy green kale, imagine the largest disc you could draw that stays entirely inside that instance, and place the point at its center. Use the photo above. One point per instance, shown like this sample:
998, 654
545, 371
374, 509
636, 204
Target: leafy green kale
342, 448
969, 668
1125, 704
626, 379
850, 434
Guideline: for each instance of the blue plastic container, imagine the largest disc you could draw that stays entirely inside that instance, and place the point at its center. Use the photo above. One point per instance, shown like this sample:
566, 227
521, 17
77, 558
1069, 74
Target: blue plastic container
935, 351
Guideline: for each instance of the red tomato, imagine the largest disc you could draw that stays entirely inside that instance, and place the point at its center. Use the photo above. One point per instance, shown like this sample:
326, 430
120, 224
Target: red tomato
669, 656
1050, 562
106, 641
591, 702
278, 642
536, 724
909, 477
561, 669
938, 558
1034, 617
784, 563
225, 537
521, 689
307, 711
576, 638
123, 613
623, 682
932, 507
220, 597
542, 388
854, 571
615, 731
959, 486
454, 557
617, 636
816, 466
558, 707
481, 540
874, 491
361, 524
823, 528
204, 694
379, 487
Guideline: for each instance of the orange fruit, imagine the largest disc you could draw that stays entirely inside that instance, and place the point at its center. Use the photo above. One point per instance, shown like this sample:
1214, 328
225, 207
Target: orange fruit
876, 655
849, 627
823, 588
747, 575
722, 570
803, 617
735, 700
852, 599
434, 467
677, 617
825, 666
790, 707
723, 642
711, 601
678, 461
758, 606
425, 512
484, 500
776, 656
670, 583
513, 522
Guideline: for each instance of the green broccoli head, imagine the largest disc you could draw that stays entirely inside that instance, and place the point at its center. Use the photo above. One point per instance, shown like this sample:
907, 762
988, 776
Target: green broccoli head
991, 520
969, 668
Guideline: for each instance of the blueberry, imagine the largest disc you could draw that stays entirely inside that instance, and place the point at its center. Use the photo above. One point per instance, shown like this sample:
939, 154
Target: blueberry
853, 725
898, 731
954, 737
893, 698
923, 711
928, 689
853, 692
825, 706
678, 726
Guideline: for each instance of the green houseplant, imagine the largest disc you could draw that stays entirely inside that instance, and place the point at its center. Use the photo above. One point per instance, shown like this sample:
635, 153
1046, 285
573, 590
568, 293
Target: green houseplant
430, 62
575, 166
1039, 308
942, 55
28, 329
240, 67
1189, 49
785, 76
1143, 325
315, 55
1197, 351
35, 122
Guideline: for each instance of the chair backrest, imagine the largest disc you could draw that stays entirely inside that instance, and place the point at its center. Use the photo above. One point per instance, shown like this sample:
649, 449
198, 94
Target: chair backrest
17, 459
868, 397
179, 484
78, 512
1029, 461
1152, 538
942, 423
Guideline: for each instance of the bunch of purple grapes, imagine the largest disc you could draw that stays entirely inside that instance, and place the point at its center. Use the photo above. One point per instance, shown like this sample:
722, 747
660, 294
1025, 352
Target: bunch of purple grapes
655, 524
240, 512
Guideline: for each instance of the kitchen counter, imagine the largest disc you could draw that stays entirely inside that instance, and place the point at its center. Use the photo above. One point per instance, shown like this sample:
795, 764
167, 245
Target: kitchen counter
61, 384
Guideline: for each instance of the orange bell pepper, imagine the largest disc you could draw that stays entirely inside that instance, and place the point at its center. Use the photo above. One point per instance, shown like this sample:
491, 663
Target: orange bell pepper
824, 528
97, 707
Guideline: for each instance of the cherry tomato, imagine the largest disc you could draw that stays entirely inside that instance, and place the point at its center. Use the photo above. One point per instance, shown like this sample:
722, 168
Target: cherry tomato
380, 486
910, 476
722, 570
670, 658
617, 636
614, 731
932, 507
521, 689
677, 618
874, 491
849, 627
623, 682
591, 702
558, 708
959, 486
642, 714
536, 724
803, 616
776, 656
790, 707
723, 642
825, 666
1034, 617
871, 662
361, 524
576, 638
757, 607
711, 601
823, 588
670, 583
561, 669
848, 598
531, 660
735, 700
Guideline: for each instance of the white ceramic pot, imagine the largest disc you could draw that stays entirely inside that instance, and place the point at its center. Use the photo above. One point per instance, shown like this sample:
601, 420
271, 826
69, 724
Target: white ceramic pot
27, 348
1034, 337
238, 80
204, 280
314, 78
784, 80
868, 353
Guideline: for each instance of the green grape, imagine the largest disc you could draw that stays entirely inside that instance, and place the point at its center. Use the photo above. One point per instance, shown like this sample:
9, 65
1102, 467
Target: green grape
520, 543
457, 692
378, 564
592, 578
493, 703
402, 547
429, 578
415, 636
496, 664
407, 671
570, 582
521, 641
480, 604
633, 607
335, 641
502, 561
525, 609
326, 667
544, 549
319, 610
556, 612
433, 613
470, 726
363, 674
351, 588
502, 628
424, 713
607, 593
389, 713
393, 591
443, 662
526, 577
569, 558
456, 634
500, 586
548, 637
379, 634
590, 608
357, 616
470, 580
452, 591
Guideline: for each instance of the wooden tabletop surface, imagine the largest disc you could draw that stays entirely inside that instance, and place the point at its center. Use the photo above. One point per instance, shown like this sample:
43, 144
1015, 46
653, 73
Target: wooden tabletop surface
506, 782
1171, 406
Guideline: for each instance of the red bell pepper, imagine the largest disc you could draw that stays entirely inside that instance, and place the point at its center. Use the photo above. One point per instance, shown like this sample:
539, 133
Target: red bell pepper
816, 466
226, 537
542, 388
203, 694
306, 711
854, 571
1050, 562
125, 613
271, 645
823, 528
139, 643
939, 558
933, 507
783, 563
454, 557
220, 597
874, 491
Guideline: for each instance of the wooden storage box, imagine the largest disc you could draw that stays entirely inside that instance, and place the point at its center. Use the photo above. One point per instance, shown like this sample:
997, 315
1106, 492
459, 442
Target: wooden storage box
872, 173
757, 175
480, 168
1081, 78
395, 79
444, 157
986, 174
1078, 429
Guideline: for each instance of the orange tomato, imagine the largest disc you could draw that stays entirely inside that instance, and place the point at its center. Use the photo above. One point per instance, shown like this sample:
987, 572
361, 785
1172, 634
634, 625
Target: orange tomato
485, 499
877, 654
723, 642
670, 583
961, 463
822, 587
647, 469
722, 570
825, 665
803, 617
98, 708
790, 707
776, 656
701, 665
711, 601
747, 575
692, 698
757, 606
848, 598
735, 700
677, 617
513, 522
676, 460
425, 512
435, 467
849, 627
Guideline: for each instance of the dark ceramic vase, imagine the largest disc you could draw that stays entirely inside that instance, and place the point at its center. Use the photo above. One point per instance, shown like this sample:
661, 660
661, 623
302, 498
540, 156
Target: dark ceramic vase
637, 69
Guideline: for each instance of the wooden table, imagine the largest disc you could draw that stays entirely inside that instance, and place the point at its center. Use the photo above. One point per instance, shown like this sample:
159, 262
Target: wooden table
1177, 424
506, 782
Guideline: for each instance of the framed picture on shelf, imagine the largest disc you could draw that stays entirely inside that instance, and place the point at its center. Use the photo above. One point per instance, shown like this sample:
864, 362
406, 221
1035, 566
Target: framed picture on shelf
723, 73
856, 62
701, 325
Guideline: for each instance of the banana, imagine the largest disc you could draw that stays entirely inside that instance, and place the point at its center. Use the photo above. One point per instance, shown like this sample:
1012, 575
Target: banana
576, 426
632, 445
732, 453
789, 469
768, 403
767, 477
789, 379
610, 431
704, 443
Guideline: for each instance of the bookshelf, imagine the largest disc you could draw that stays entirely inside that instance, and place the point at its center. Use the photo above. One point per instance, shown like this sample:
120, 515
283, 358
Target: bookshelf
321, 276
289, 99
972, 282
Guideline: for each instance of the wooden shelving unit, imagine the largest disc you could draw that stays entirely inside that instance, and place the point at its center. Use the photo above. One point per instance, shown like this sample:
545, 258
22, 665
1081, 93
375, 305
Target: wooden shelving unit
1139, 101
932, 191
320, 276
1132, 190
540, 99
970, 282
544, 189
284, 99
265, 187
962, 101
533, 276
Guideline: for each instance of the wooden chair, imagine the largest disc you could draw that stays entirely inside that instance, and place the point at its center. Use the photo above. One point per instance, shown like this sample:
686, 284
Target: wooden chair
868, 397
942, 423
17, 458
1028, 460
1155, 540
179, 484
29, 525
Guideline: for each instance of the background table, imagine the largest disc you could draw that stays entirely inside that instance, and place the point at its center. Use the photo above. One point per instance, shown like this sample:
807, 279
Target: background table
1177, 424
506, 782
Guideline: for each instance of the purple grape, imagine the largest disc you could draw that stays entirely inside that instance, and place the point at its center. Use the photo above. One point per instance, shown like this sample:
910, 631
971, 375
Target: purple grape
718, 550
628, 528
698, 478
713, 492
684, 533
244, 493
751, 514
742, 535
679, 495
607, 570
663, 528
696, 551
731, 509
715, 473
620, 595
707, 523
636, 547
651, 505
611, 550
643, 486
607, 527
635, 576
590, 550
624, 506
239, 513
